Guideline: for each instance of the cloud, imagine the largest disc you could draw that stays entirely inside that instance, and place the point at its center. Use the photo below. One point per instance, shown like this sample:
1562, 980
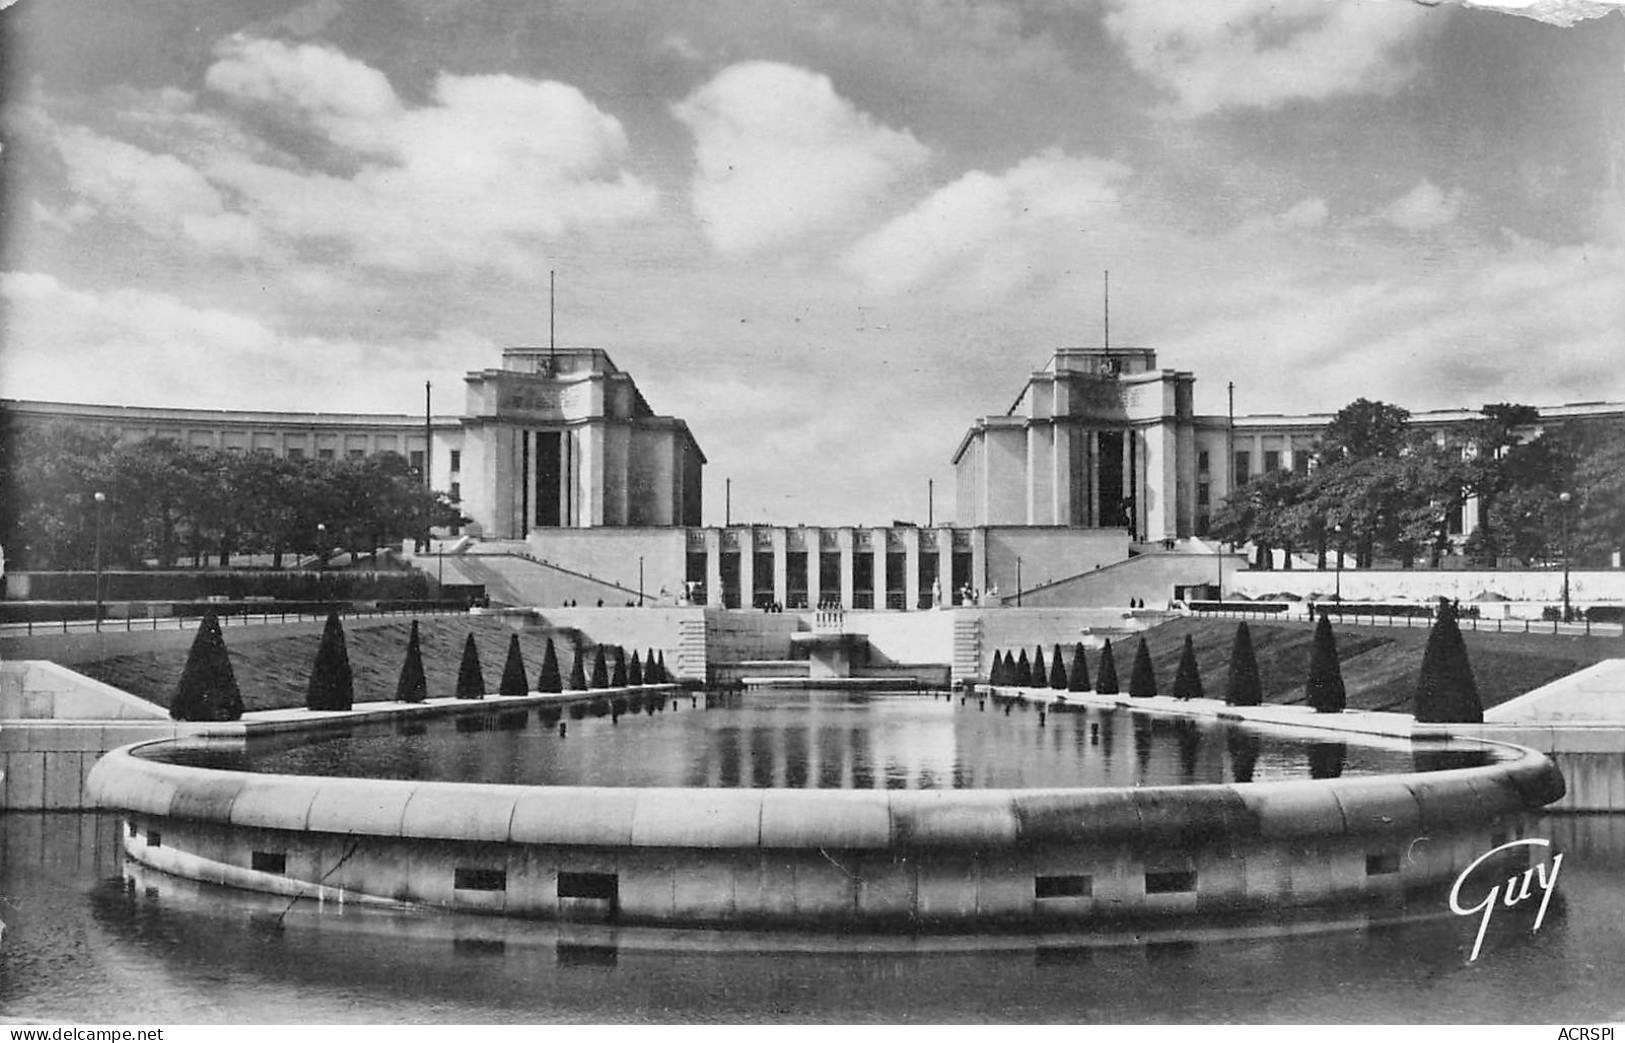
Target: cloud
1423, 207
487, 174
781, 158
70, 344
1223, 54
161, 194
993, 233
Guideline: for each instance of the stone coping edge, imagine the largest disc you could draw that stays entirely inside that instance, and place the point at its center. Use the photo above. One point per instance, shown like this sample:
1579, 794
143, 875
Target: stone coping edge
1179, 816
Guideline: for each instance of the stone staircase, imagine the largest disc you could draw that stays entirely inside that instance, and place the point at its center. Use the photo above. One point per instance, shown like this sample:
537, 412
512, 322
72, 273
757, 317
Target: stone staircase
967, 662
690, 658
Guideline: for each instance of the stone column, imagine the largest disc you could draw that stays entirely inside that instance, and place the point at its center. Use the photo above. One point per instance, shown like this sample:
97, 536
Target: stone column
747, 566
713, 566
781, 566
911, 569
877, 547
845, 539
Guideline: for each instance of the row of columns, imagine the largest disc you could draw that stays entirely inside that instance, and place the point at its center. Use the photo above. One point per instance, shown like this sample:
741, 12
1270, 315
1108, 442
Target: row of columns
778, 544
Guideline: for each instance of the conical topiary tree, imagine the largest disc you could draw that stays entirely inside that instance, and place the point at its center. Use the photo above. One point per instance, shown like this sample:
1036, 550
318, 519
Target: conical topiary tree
332, 684
1445, 691
470, 679
1188, 679
1007, 669
1078, 679
617, 676
413, 687
514, 681
1242, 686
665, 678
1057, 670
1106, 683
1024, 671
1040, 674
207, 690
1142, 683
634, 670
600, 669
1325, 685
995, 669
549, 680
578, 672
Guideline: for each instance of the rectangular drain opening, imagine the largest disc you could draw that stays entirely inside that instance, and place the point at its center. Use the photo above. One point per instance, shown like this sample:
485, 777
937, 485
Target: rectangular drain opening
1381, 864
1076, 886
601, 886
154, 838
466, 878
1170, 881
269, 862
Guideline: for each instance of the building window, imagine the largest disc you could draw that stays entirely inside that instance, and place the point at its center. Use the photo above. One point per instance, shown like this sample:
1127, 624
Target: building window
324, 454
456, 492
1203, 494
1272, 460
416, 458
1201, 461
456, 460
1244, 467
295, 453
356, 454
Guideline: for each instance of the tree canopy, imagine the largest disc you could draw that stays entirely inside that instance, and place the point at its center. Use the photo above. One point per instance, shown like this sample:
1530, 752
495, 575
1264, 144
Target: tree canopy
166, 502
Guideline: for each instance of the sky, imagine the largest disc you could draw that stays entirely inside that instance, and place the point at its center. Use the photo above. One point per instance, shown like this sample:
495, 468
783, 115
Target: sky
828, 234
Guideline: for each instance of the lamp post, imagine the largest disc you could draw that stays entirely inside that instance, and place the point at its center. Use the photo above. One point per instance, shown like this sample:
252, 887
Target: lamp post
640, 581
321, 544
1018, 582
1563, 500
1337, 596
101, 498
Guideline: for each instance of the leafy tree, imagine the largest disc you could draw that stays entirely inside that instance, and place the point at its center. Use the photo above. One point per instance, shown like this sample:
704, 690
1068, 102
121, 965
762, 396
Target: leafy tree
413, 686
1188, 679
1106, 684
1142, 683
1242, 687
470, 678
332, 684
208, 688
514, 681
1325, 684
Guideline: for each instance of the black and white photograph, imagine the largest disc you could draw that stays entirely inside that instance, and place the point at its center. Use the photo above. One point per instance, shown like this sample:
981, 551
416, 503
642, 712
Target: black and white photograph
811, 513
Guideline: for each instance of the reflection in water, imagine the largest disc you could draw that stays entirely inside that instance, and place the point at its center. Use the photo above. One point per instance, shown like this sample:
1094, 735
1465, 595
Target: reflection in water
87, 945
825, 739
1243, 746
1326, 759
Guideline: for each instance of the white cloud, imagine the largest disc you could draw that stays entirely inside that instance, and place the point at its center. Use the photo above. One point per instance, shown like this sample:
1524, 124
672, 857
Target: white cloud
781, 157
1221, 54
487, 174
137, 347
993, 233
1423, 207
161, 194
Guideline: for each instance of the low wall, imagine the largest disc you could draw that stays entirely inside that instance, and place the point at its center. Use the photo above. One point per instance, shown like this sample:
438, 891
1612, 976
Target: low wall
903, 859
1542, 586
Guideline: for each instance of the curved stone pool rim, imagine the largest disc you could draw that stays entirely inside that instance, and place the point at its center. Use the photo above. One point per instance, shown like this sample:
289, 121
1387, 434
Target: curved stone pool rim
886, 860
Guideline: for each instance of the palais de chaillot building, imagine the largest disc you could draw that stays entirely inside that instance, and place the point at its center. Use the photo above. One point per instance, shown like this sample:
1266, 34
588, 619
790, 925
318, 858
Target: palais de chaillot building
558, 456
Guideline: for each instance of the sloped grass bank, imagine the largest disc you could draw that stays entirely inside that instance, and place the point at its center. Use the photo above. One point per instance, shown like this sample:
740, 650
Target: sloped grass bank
273, 670
1380, 664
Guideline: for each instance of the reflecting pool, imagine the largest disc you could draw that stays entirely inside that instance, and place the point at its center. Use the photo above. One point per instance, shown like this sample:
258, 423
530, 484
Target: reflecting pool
819, 739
